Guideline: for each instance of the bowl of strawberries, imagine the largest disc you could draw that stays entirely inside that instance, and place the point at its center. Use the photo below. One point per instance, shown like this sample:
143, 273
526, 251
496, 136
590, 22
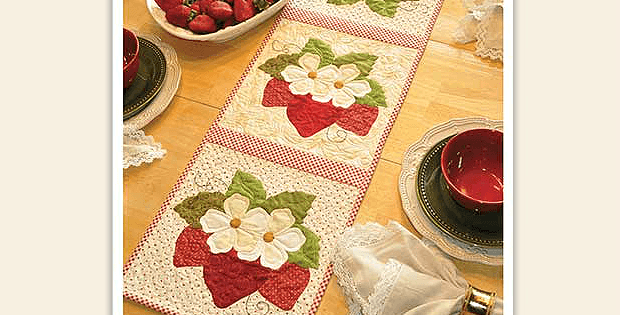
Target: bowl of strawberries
211, 20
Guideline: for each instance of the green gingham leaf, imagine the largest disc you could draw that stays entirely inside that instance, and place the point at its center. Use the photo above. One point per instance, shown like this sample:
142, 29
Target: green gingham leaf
363, 61
385, 8
308, 255
193, 208
320, 48
298, 202
274, 66
376, 96
248, 186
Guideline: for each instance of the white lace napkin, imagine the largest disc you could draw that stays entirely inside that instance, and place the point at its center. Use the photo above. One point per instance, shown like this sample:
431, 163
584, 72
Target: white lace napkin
388, 270
484, 24
139, 148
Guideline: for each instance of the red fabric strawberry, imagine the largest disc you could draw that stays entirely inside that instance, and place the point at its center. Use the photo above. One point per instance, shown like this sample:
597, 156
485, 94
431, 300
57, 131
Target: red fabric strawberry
168, 4
230, 279
243, 9
277, 93
191, 248
286, 285
309, 116
202, 24
358, 118
179, 15
219, 10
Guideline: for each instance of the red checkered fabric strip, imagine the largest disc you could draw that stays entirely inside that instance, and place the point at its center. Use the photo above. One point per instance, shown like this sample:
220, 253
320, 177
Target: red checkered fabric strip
323, 286
353, 28
150, 304
292, 158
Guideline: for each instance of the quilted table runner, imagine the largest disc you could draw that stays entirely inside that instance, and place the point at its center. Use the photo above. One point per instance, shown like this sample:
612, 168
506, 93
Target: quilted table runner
251, 225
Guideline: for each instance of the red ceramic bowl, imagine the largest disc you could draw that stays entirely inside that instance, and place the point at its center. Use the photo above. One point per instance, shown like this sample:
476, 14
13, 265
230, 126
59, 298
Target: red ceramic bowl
472, 164
131, 61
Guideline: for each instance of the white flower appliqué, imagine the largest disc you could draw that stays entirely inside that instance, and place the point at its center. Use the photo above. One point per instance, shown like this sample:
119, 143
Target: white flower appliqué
236, 227
344, 90
279, 239
308, 78
327, 83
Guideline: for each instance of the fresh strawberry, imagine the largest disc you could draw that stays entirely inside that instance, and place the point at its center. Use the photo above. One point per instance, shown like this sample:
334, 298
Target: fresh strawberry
168, 4
180, 15
204, 5
286, 285
230, 279
309, 116
195, 6
230, 21
277, 93
202, 24
191, 248
219, 10
244, 9
358, 118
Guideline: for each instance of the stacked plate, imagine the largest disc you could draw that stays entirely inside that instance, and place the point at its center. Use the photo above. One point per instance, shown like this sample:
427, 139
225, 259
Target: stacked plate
461, 233
155, 84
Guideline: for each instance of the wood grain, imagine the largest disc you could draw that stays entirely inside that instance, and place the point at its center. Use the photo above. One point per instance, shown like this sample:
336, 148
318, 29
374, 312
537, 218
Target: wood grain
450, 82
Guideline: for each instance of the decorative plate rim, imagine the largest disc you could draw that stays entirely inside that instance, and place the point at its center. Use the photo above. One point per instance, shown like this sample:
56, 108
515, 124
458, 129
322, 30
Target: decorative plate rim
169, 87
144, 101
407, 187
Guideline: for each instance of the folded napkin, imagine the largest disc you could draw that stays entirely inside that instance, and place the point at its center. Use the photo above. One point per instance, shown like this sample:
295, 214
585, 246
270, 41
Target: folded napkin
388, 270
484, 24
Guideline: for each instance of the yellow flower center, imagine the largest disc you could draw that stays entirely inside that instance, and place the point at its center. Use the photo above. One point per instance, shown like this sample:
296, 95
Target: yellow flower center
235, 223
339, 84
268, 237
312, 75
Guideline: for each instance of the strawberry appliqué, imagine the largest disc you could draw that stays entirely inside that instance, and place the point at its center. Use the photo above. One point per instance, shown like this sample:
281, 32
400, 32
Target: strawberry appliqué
310, 117
230, 279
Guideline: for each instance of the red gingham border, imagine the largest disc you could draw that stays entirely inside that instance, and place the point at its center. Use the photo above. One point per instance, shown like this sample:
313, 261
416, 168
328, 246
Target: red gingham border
353, 28
331, 22
286, 156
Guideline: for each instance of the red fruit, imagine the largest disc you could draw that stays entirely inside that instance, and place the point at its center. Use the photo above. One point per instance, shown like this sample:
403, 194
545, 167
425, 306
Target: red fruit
309, 116
195, 7
204, 5
231, 2
230, 279
168, 4
179, 15
230, 21
285, 286
202, 24
191, 248
358, 118
277, 93
219, 10
244, 9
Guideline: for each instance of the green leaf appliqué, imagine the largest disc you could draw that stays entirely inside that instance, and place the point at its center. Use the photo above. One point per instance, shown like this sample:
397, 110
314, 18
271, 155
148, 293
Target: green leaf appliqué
363, 61
376, 96
320, 48
248, 186
193, 208
308, 255
274, 66
298, 202
385, 8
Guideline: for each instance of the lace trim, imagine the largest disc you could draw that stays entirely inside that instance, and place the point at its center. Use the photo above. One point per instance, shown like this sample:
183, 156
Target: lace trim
139, 148
358, 236
384, 287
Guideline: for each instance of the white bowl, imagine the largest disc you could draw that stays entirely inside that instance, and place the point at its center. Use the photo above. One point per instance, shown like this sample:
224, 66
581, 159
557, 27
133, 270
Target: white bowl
220, 36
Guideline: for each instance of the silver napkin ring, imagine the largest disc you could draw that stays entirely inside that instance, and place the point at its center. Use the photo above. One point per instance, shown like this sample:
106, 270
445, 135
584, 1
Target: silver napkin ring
478, 302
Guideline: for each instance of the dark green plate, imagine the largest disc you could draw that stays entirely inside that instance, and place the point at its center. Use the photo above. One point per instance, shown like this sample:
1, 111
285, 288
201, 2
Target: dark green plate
483, 229
148, 81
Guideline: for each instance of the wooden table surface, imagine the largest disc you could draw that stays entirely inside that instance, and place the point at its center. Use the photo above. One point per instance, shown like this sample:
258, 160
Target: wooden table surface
450, 83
